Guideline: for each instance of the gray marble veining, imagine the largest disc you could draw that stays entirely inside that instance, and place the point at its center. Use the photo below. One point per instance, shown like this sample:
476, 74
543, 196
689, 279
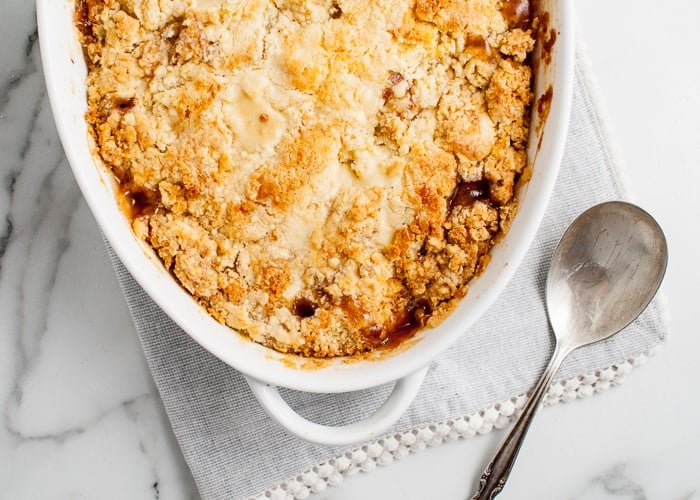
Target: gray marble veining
64, 387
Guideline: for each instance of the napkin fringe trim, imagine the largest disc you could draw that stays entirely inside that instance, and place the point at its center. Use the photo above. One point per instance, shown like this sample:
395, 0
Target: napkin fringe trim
393, 447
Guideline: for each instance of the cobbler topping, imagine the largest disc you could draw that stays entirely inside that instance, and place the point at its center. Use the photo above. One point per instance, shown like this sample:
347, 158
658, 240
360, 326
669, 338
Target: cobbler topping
322, 176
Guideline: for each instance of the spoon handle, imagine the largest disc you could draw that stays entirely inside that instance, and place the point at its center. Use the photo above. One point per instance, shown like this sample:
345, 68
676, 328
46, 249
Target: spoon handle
497, 471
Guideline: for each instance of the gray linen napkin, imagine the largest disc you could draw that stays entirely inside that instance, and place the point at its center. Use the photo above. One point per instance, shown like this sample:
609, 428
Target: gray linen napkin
235, 450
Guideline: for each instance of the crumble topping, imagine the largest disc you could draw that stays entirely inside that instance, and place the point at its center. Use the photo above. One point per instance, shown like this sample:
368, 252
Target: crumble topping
320, 175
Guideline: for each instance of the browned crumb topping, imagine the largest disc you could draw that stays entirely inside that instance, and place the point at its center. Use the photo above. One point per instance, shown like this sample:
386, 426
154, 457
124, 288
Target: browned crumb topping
320, 175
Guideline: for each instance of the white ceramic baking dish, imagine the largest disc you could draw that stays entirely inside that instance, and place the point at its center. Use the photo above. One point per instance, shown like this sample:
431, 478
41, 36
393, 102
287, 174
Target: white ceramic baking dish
265, 369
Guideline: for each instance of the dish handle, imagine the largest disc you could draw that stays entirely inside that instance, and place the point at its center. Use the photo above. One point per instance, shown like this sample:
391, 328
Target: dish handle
372, 427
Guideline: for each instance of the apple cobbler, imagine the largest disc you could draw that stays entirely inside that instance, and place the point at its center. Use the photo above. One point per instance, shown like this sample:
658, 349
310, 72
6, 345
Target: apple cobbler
322, 176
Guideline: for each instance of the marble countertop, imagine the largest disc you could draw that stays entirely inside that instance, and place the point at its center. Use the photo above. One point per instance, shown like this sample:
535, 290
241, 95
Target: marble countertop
81, 417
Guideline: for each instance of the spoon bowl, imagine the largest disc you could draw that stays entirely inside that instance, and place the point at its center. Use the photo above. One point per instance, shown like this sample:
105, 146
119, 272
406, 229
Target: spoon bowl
606, 269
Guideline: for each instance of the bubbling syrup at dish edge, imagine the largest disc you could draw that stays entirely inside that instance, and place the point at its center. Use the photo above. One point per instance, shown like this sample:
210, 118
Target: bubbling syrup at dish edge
137, 201
402, 328
517, 13
82, 18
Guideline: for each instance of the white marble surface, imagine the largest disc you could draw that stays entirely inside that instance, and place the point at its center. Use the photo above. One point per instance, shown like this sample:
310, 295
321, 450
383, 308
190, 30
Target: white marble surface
80, 417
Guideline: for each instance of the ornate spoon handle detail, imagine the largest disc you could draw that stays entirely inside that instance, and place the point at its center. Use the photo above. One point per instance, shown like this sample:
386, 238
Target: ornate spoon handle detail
497, 471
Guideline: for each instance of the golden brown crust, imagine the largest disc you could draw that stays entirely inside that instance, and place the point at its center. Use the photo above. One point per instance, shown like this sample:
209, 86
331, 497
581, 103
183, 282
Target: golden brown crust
318, 174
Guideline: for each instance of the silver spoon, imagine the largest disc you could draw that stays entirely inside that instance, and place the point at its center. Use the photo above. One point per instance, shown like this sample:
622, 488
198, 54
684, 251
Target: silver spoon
604, 272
